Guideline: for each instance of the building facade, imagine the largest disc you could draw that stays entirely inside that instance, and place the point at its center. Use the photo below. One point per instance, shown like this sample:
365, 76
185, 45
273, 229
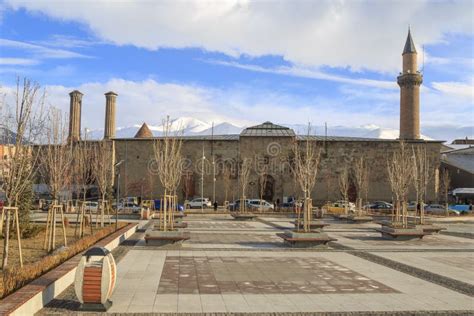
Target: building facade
210, 164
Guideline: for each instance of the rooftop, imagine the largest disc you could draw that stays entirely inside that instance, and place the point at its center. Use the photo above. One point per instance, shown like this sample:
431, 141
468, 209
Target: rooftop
268, 129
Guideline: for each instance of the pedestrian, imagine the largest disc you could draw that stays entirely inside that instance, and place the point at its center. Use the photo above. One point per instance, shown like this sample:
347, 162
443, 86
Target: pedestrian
215, 206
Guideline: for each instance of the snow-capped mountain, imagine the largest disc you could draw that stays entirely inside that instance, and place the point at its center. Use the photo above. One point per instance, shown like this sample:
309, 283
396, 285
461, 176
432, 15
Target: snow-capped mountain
192, 126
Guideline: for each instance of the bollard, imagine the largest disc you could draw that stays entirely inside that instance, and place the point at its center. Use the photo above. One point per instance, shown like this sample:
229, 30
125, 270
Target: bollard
95, 279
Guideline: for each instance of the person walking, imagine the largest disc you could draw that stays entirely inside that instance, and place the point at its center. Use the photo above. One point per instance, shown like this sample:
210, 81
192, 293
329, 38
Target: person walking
215, 206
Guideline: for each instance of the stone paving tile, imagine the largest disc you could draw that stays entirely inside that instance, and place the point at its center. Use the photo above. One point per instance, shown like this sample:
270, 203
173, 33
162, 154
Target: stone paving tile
261, 275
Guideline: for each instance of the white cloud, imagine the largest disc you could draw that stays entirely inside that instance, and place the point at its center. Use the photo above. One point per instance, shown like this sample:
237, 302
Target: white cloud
18, 61
354, 34
40, 51
458, 89
296, 71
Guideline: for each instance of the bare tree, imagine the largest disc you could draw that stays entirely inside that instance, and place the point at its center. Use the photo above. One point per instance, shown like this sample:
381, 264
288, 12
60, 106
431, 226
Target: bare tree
103, 175
244, 174
400, 172
305, 169
421, 177
261, 168
55, 168
361, 176
445, 185
168, 158
226, 175
22, 125
344, 186
83, 176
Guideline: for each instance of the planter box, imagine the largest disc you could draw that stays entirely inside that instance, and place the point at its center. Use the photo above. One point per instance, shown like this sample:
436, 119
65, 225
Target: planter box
243, 216
312, 225
430, 228
359, 219
313, 239
161, 238
397, 233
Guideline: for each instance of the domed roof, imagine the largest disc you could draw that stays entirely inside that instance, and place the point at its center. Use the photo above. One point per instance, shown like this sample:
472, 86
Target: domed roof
268, 129
144, 132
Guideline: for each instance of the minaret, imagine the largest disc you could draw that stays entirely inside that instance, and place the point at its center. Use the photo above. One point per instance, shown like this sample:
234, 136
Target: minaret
109, 131
409, 81
75, 116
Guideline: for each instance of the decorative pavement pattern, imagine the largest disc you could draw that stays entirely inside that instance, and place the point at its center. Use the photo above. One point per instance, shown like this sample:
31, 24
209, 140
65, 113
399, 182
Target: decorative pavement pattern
261, 275
234, 268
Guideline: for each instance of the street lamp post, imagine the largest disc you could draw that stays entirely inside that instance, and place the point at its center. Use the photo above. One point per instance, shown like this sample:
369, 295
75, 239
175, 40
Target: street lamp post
202, 180
117, 170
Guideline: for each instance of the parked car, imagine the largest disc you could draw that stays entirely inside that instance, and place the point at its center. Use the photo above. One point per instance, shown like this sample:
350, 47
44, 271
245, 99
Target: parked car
256, 204
438, 209
381, 206
157, 205
45, 205
91, 206
235, 206
129, 207
150, 204
412, 206
198, 203
339, 207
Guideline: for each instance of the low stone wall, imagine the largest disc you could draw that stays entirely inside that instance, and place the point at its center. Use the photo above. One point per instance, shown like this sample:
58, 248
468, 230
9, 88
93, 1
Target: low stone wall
35, 295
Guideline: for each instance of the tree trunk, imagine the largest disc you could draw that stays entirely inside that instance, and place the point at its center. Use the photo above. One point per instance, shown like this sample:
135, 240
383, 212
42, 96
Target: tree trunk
6, 237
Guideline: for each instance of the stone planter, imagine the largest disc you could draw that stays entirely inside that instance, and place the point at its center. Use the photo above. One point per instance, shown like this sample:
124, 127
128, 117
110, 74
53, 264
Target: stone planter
360, 219
430, 228
243, 216
163, 238
312, 239
313, 225
398, 233
342, 217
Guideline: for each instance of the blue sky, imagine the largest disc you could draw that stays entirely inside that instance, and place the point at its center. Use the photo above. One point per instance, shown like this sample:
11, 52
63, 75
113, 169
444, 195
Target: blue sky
243, 62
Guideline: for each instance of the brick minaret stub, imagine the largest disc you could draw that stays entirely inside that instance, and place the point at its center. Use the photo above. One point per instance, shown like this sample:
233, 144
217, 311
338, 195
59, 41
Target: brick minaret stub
409, 81
75, 116
109, 131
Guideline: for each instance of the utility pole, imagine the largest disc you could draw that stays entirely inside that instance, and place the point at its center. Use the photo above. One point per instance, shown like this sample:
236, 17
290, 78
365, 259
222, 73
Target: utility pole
202, 180
213, 167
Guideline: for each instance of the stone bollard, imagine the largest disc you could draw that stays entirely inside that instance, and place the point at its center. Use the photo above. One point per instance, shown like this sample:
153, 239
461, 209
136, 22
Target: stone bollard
95, 279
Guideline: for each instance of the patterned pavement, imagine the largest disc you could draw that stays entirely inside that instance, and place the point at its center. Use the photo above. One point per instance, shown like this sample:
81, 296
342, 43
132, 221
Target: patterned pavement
242, 267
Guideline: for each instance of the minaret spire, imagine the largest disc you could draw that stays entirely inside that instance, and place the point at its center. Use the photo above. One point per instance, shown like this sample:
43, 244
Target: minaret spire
409, 45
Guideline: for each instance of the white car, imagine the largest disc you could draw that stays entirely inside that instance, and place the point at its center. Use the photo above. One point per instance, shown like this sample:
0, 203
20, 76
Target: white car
198, 203
256, 204
129, 207
439, 209
90, 206
350, 206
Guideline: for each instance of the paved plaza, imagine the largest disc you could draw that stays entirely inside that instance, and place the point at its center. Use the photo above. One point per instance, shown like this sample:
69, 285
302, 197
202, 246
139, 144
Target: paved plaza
243, 267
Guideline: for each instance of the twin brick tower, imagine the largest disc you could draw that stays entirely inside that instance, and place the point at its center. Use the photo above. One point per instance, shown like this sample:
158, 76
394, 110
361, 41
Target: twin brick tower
409, 81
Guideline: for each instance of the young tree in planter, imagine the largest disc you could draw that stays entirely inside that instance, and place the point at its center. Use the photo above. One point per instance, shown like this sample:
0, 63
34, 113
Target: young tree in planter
244, 175
344, 186
22, 125
168, 158
421, 178
361, 176
400, 172
55, 168
227, 176
445, 184
83, 174
261, 169
103, 175
305, 169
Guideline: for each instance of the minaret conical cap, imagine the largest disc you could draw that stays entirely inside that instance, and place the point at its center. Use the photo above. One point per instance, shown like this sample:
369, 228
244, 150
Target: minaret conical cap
409, 45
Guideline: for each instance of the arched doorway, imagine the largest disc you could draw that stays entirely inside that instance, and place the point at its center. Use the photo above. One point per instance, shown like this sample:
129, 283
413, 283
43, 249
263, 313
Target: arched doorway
266, 187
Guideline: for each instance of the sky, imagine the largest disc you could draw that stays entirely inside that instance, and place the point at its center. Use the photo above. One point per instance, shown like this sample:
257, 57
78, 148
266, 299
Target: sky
243, 62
